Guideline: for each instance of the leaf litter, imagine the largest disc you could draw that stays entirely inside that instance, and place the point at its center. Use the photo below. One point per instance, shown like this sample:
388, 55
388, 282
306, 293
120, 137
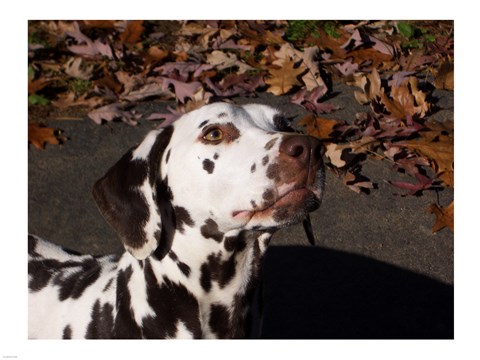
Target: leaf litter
108, 66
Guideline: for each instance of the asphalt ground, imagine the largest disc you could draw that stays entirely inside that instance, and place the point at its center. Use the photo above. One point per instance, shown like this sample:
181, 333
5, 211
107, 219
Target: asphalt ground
377, 270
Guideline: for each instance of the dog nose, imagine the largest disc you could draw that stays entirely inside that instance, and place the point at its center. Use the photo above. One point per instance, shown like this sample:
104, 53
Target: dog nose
305, 149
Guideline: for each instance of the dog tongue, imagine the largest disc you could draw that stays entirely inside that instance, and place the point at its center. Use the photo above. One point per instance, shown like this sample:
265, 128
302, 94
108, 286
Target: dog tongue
239, 214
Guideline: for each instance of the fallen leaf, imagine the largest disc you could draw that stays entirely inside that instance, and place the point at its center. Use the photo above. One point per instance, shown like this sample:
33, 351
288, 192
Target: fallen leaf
311, 100
439, 151
132, 33
444, 76
222, 60
357, 182
423, 183
113, 111
183, 90
283, 79
404, 101
443, 216
40, 135
69, 99
77, 68
319, 127
340, 156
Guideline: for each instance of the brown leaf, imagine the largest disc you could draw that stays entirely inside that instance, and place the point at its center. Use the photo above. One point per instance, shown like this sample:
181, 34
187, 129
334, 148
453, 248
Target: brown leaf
319, 127
444, 76
40, 135
283, 79
357, 183
404, 101
133, 32
69, 99
443, 216
439, 151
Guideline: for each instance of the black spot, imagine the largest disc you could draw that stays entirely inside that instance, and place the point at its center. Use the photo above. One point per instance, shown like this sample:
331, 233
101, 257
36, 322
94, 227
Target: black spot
101, 325
236, 243
75, 283
109, 283
219, 321
208, 166
182, 218
270, 144
171, 303
210, 231
41, 271
253, 168
125, 326
184, 268
205, 277
167, 157
222, 114
253, 203
215, 156
67, 332
203, 123
265, 160
218, 270
167, 213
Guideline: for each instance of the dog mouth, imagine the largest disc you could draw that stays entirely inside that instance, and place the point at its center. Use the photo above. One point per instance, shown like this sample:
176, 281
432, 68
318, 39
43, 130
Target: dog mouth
295, 198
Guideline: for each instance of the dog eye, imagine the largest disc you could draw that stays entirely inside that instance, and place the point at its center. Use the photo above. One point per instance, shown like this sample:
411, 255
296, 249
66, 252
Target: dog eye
214, 135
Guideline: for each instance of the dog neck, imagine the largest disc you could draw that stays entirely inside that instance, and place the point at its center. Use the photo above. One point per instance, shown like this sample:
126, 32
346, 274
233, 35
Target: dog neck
211, 275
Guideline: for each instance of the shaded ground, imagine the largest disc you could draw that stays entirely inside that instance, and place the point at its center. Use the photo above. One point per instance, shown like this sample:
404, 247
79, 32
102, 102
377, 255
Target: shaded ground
375, 254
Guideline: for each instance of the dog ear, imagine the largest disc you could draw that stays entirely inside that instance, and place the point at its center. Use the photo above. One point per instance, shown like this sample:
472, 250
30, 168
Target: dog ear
135, 201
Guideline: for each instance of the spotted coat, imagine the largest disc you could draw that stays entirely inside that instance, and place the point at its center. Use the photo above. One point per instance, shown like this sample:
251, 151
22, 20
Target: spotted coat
195, 205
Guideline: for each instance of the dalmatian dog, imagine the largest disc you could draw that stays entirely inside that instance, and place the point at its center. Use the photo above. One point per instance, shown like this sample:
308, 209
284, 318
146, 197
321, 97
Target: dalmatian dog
195, 205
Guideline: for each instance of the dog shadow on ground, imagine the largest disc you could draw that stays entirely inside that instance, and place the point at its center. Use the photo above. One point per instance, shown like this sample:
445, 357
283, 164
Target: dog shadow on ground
315, 293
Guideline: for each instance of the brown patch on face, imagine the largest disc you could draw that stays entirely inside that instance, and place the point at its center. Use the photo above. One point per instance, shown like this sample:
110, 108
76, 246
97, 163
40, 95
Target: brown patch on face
268, 195
270, 144
230, 133
273, 172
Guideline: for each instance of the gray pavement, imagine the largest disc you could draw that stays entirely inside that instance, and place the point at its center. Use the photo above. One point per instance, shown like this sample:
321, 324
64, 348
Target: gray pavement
377, 271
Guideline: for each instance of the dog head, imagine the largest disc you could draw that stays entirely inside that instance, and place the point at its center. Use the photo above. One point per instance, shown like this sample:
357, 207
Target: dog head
238, 167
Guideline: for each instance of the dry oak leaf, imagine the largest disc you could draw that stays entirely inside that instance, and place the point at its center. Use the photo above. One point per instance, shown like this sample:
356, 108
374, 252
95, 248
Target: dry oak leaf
283, 79
223, 60
319, 127
357, 183
440, 152
40, 135
444, 216
405, 100
69, 99
133, 32
312, 78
